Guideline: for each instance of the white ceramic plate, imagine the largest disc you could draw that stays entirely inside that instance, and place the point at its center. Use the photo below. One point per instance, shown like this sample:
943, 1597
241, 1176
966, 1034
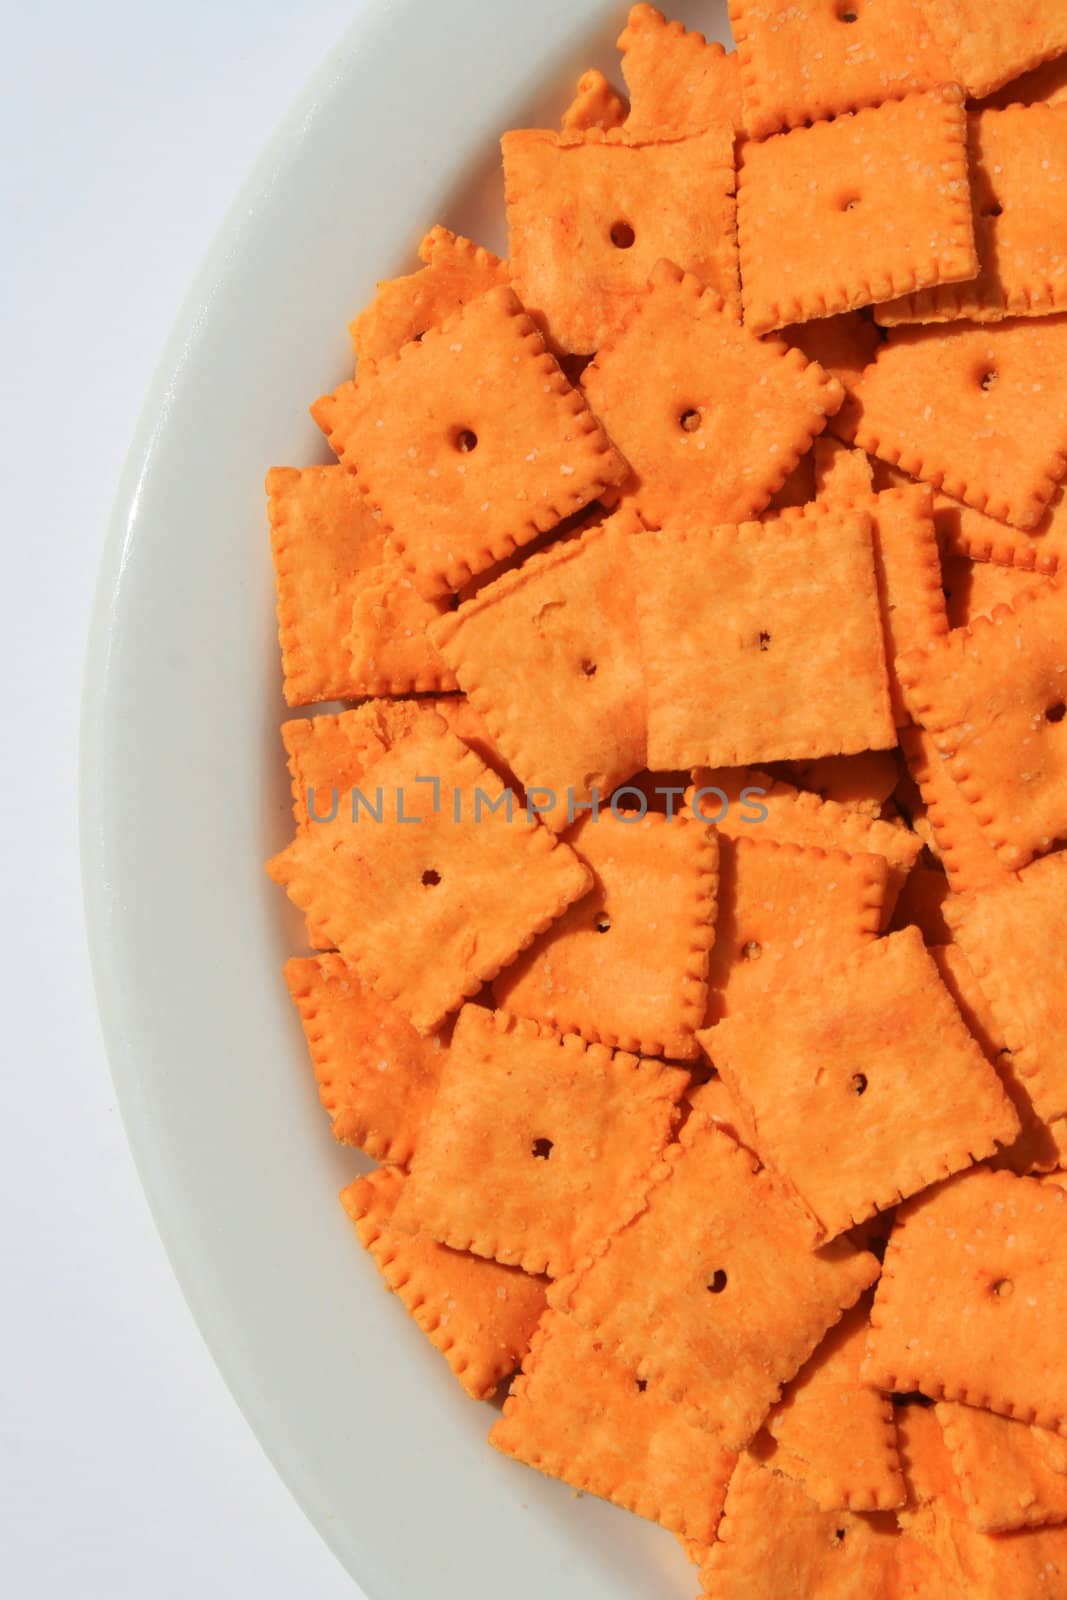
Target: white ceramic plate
185, 795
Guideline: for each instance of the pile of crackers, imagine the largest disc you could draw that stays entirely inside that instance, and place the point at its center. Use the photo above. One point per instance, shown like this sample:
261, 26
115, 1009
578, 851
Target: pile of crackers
683, 869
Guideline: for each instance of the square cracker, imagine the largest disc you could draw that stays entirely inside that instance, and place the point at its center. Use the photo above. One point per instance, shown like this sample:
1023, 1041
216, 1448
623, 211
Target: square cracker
377, 1077
1013, 937
846, 213
577, 1414
627, 966
711, 419
464, 880
741, 664
989, 44
867, 1088
1011, 1475
480, 1315
679, 81
595, 105
805, 60
992, 698
992, 1334
965, 852
454, 271
833, 1434
784, 911
546, 655
469, 443
977, 410
538, 1145
1018, 173
713, 1292
590, 214
963, 531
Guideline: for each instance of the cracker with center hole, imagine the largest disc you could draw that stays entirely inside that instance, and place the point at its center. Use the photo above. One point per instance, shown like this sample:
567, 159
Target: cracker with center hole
679, 82
1045, 85
831, 1433
784, 911
1013, 937
469, 443
866, 1089
589, 216
575, 1413
847, 213
992, 697
538, 1145
978, 411
595, 105
762, 642
479, 1314
627, 966
712, 419
862, 783
546, 655
966, 853
992, 1334
463, 880
377, 1077
713, 1292
975, 589
990, 44
1011, 1475
454, 271
1018, 164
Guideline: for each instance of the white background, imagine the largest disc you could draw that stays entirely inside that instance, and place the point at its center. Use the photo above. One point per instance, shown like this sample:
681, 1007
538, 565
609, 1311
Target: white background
126, 128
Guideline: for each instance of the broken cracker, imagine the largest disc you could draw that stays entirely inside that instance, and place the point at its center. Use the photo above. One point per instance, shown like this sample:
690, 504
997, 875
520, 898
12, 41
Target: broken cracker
990, 44
863, 782
455, 271
975, 589
1011, 1475
595, 105
678, 81
843, 346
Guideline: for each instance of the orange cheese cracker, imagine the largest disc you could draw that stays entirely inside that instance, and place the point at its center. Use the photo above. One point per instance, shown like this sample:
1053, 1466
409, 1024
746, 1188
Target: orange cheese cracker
1011, 1475
377, 1077
963, 531
966, 853
479, 1314
1045, 85
992, 697
989, 44
595, 105
627, 965
975, 589
546, 655
844, 346
713, 1292
866, 1088
678, 81
992, 1334
711, 419
464, 880
840, 473
577, 1414
1018, 176
590, 214
979, 411
864, 782
454, 271
846, 213
469, 442
538, 1145
921, 903
740, 665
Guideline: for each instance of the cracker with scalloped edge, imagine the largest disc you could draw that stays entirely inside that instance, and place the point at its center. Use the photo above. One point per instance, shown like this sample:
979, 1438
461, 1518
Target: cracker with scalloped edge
713, 1292
990, 44
975, 589
992, 1334
833, 1434
867, 1088
1018, 165
469, 442
803, 61
388, 641
965, 851
454, 271
1013, 937
1045, 85
979, 411
546, 656
479, 1314
840, 473
465, 880
377, 1077
863, 782
784, 911
595, 105
843, 214
678, 81
627, 966
741, 665
992, 697
963, 531
713, 1102
575, 1413
712, 419
843, 346
538, 1145
1011, 1475
590, 214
